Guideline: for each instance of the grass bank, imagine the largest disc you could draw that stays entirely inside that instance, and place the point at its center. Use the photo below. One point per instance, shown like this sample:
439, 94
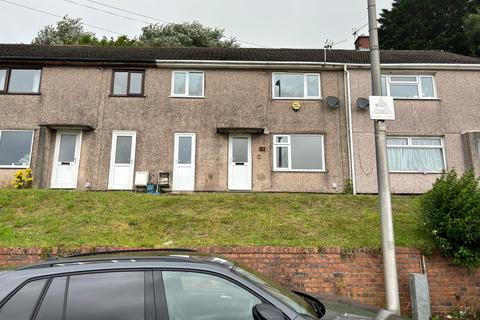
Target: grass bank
46, 218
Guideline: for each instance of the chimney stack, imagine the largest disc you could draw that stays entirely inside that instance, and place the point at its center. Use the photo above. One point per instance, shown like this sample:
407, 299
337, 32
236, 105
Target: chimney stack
362, 43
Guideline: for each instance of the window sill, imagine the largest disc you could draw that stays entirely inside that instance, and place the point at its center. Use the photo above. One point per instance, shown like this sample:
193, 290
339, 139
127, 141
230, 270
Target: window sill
20, 93
300, 171
14, 167
188, 97
309, 98
127, 96
416, 172
419, 99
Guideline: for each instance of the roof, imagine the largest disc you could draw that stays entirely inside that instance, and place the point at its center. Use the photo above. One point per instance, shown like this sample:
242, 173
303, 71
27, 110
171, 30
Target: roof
71, 53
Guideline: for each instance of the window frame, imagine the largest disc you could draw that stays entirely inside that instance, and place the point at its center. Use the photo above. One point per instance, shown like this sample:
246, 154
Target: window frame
289, 147
31, 149
417, 82
8, 71
128, 94
410, 145
187, 84
305, 88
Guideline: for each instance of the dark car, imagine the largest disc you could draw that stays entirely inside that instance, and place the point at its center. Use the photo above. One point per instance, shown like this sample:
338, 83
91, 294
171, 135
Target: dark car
169, 285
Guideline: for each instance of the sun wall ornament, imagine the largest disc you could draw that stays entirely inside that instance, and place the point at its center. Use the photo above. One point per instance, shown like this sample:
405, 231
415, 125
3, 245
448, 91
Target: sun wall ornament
296, 106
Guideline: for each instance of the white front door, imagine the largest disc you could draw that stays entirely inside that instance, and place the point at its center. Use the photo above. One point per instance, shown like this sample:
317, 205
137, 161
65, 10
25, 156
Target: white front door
122, 160
184, 162
240, 162
66, 159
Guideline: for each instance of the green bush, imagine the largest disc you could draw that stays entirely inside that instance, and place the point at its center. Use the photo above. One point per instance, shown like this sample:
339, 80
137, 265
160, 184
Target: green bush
451, 214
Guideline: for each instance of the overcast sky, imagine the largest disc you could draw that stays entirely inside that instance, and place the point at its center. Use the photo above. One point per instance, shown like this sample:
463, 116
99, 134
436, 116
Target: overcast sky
269, 23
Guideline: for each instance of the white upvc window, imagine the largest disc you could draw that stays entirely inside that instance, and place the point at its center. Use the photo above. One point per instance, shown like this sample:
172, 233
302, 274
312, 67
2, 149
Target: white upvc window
416, 154
287, 85
298, 152
188, 84
409, 86
15, 148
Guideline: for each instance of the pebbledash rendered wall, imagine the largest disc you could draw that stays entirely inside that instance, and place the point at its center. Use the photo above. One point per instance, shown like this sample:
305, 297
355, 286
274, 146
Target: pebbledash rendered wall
357, 274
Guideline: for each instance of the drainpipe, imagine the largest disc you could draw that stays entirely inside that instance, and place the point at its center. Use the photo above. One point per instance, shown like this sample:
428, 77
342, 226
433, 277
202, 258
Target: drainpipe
348, 111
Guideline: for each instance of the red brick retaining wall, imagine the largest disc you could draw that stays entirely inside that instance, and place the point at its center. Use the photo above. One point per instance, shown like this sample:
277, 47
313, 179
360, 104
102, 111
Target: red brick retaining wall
357, 274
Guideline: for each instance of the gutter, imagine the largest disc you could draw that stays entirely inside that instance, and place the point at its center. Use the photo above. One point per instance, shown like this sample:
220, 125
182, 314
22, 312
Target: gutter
233, 64
348, 111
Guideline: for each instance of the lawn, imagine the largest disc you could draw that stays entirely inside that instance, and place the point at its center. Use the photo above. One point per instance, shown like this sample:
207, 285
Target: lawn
46, 218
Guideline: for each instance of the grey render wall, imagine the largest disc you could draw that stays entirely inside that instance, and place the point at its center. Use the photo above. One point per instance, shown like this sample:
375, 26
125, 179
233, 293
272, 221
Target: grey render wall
81, 95
456, 111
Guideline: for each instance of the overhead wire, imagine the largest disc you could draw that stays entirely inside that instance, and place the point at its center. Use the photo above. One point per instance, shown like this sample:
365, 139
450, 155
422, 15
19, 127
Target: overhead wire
58, 16
137, 14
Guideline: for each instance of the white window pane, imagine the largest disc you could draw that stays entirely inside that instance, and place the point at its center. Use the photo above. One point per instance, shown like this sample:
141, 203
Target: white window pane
288, 85
120, 82
384, 85
184, 150
397, 141
313, 85
307, 152
24, 81
3, 75
240, 149
15, 148
427, 87
123, 150
426, 141
281, 139
136, 81
195, 84
415, 159
282, 157
179, 82
403, 79
404, 91
66, 151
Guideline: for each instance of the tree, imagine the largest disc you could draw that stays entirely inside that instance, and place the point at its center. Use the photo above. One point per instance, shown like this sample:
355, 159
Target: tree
472, 31
70, 31
430, 25
67, 31
187, 34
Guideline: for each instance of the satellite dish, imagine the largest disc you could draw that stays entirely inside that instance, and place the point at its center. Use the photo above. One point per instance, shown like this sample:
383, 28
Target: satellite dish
333, 102
362, 103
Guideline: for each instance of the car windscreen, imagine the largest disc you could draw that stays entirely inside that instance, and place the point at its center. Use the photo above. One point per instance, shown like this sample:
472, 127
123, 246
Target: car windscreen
279, 292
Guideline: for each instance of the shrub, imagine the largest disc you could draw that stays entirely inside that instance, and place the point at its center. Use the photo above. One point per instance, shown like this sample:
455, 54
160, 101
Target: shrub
348, 186
451, 214
22, 179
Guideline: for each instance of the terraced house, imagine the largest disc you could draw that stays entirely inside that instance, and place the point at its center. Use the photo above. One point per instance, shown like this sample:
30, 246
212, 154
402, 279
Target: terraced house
232, 119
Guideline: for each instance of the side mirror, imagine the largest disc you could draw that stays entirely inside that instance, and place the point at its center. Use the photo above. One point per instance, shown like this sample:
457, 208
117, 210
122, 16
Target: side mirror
264, 311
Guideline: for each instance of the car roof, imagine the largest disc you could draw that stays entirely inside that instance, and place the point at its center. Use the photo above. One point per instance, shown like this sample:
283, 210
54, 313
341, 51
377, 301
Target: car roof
133, 256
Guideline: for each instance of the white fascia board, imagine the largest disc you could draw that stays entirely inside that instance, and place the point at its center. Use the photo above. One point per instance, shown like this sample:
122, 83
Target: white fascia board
226, 64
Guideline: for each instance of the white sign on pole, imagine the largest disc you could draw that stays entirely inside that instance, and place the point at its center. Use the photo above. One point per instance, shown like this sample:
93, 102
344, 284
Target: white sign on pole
381, 108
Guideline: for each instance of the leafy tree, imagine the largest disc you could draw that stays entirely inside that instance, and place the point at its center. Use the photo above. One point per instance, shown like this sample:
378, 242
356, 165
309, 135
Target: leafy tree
187, 34
70, 31
472, 31
67, 31
431, 25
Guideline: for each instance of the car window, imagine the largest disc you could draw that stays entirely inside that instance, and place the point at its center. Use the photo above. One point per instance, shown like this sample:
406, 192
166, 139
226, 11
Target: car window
22, 304
286, 296
52, 304
102, 296
198, 296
